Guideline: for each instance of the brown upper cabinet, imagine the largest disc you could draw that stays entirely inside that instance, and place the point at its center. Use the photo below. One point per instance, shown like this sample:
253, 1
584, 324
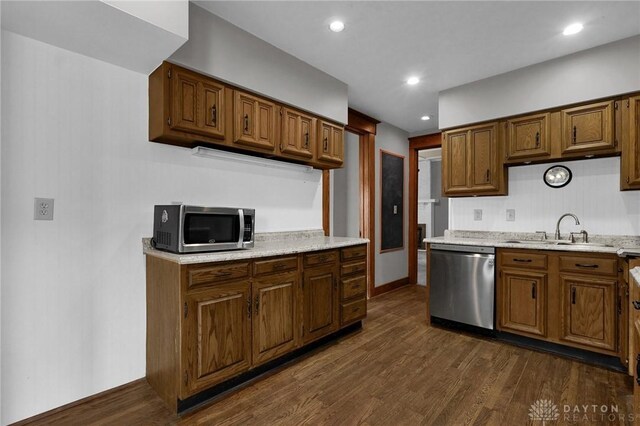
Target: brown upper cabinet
183, 102
254, 122
190, 109
588, 128
298, 135
528, 137
330, 143
472, 162
630, 162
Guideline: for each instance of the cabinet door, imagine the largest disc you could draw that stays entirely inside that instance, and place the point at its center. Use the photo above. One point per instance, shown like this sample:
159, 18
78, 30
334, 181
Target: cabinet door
588, 314
184, 101
528, 137
330, 143
254, 120
630, 172
588, 128
298, 134
483, 143
213, 108
275, 325
337, 144
216, 335
455, 162
320, 310
523, 301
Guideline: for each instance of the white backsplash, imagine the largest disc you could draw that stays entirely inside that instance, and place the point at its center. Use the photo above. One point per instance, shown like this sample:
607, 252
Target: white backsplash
593, 195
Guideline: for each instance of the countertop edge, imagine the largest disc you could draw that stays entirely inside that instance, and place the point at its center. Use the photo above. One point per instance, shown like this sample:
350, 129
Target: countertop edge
533, 246
292, 247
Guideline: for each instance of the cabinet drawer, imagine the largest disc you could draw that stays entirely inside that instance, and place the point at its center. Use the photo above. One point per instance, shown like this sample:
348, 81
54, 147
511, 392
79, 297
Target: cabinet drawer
280, 264
352, 287
524, 259
320, 258
353, 252
592, 265
353, 311
212, 274
353, 268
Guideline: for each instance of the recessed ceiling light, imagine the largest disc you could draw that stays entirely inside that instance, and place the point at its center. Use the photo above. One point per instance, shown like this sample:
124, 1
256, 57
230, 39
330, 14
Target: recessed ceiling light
425, 118
573, 29
413, 80
336, 26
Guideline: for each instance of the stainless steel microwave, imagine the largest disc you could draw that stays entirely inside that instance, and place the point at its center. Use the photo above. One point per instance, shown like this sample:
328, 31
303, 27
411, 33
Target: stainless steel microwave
193, 229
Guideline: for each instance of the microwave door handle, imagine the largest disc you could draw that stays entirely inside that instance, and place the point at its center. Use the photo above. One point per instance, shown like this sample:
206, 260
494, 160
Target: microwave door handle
241, 231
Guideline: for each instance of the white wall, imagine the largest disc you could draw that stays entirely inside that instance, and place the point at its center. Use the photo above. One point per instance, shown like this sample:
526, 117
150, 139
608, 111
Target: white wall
345, 187
220, 49
73, 290
603, 71
170, 15
593, 195
393, 265
0, 219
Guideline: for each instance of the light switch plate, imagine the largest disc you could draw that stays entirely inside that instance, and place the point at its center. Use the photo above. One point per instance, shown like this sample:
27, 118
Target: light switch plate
511, 215
477, 214
395, 209
43, 208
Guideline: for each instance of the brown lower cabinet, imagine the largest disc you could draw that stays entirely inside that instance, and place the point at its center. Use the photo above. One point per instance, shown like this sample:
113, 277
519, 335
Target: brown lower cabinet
573, 299
208, 323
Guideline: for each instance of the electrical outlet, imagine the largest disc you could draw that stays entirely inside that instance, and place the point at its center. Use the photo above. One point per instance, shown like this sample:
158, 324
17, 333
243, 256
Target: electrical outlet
511, 215
43, 208
477, 214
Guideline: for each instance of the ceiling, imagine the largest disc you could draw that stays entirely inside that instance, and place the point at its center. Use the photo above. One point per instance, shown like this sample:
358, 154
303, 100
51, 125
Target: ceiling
446, 44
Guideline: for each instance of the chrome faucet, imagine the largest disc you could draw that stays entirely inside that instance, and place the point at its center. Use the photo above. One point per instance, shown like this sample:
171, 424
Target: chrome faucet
557, 236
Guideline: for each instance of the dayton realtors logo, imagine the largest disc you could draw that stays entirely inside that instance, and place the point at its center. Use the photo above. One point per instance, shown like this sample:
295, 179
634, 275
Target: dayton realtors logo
545, 410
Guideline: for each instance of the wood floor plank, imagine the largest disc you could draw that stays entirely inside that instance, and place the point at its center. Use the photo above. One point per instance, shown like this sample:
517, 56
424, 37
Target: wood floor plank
396, 371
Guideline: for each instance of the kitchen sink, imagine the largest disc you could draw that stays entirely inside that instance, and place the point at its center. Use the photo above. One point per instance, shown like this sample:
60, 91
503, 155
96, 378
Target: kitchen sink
527, 242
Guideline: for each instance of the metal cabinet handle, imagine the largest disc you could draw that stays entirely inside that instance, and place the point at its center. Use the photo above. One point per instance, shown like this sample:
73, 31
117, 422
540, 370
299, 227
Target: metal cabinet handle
533, 289
586, 265
573, 295
249, 307
638, 369
279, 266
306, 140
326, 144
636, 305
257, 304
575, 135
246, 123
214, 116
522, 260
537, 139
488, 172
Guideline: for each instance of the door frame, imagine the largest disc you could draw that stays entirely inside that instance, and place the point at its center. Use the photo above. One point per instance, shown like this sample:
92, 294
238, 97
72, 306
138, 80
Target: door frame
365, 127
416, 144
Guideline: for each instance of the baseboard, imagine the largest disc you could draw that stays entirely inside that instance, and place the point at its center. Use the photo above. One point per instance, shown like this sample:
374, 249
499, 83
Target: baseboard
386, 288
40, 418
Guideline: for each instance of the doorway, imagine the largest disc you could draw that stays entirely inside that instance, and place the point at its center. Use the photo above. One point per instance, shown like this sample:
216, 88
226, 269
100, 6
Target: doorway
428, 211
433, 208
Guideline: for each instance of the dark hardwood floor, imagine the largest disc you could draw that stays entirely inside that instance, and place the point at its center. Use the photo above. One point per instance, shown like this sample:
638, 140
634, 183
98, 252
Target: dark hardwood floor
396, 371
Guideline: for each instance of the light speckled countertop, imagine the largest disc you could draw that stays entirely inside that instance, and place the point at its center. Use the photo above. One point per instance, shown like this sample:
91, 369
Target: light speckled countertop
619, 244
267, 244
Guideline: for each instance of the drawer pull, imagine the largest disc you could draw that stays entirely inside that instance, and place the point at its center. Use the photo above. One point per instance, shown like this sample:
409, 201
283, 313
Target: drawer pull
636, 305
573, 295
522, 260
638, 369
222, 274
279, 266
586, 265
356, 309
354, 286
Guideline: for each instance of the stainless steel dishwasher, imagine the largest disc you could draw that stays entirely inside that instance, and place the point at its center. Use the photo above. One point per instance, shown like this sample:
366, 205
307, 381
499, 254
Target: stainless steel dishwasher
462, 286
